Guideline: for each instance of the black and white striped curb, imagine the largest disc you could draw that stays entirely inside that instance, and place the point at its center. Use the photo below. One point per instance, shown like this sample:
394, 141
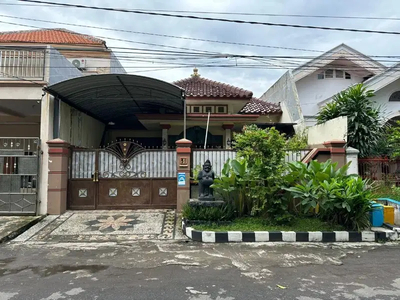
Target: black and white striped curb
287, 236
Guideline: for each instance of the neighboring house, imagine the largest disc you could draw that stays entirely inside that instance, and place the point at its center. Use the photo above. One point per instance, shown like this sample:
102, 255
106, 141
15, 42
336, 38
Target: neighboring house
303, 91
30, 61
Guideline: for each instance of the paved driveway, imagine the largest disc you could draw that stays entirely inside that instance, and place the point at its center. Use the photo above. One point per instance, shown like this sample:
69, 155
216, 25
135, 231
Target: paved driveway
106, 226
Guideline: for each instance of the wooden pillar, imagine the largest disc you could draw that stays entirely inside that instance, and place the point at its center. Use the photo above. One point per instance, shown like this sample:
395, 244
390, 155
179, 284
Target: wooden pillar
338, 151
183, 151
57, 177
228, 136
165, 128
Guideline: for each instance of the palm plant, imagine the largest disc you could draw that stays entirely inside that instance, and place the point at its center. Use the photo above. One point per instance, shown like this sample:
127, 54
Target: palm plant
365, 124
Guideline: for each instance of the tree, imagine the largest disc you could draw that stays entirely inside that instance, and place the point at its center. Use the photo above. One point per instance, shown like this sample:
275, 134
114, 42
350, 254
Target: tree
365, 124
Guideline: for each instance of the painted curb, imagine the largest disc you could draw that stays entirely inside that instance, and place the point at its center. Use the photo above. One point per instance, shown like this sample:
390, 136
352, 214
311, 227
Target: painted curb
287, 236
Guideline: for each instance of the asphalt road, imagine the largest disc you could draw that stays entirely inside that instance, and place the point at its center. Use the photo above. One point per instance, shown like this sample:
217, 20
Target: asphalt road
193, 271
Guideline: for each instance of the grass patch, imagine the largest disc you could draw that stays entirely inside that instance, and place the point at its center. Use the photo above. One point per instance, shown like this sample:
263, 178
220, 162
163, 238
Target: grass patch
261, 224
384, 191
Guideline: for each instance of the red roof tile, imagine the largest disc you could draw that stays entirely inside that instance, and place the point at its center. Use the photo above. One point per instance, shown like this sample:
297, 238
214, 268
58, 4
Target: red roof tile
196, 86
257, 106
49, 36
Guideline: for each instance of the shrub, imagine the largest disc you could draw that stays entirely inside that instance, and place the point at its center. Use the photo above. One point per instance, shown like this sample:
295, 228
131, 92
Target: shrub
263, 152
297, 142
214, 214
338, 198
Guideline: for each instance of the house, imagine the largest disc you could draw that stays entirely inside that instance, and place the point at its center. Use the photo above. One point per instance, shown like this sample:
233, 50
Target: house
303, 91
31, 60
230, 109
110, 133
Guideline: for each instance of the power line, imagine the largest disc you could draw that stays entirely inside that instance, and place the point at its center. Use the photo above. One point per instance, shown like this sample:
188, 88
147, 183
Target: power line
213, 19
129, 41
233, 13
161, 35
197, 53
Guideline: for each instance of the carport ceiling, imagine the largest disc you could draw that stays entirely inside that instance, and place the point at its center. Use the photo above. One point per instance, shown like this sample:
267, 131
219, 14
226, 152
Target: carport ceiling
117, 98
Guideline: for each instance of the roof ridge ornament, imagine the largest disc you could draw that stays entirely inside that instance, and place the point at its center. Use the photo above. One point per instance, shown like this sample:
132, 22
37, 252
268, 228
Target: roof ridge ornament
195, 72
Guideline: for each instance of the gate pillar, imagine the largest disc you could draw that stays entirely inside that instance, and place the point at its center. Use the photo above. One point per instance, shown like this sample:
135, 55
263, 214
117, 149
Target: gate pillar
183, 152
58, 177
338, 151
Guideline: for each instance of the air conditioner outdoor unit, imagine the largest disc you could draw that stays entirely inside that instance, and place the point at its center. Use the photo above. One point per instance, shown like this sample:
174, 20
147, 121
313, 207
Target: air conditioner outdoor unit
79, 63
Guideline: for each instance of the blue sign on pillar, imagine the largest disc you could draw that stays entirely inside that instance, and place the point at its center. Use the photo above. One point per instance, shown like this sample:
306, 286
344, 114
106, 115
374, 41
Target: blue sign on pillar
181, 179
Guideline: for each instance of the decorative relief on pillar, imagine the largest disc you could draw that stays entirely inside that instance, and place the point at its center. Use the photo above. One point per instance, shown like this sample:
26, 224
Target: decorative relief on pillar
183, 162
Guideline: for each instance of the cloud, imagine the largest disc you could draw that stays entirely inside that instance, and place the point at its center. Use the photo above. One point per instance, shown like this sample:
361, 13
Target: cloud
257, 80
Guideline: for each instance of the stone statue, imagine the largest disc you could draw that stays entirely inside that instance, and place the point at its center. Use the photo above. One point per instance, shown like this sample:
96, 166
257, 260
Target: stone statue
206, 179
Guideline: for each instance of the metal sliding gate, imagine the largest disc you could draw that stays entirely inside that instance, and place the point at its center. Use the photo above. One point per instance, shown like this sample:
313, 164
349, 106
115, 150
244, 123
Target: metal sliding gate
19, 175
123, 175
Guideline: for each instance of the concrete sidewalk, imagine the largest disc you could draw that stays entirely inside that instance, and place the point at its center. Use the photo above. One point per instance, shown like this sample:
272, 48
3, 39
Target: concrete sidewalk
12, 226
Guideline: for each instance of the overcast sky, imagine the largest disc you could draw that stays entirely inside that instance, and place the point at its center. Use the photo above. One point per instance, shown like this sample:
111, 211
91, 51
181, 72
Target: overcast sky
256, 80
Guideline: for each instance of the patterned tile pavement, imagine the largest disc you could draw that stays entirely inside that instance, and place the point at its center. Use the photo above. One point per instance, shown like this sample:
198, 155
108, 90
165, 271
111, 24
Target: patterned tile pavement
106, 226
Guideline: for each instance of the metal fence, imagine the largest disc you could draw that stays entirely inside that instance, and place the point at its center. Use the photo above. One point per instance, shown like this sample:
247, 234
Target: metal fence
380, 169
18, 63
146, 164
19, 175
218, 157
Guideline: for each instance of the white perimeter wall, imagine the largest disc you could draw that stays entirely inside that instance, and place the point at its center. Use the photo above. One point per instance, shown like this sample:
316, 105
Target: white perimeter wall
335, 129
79, 129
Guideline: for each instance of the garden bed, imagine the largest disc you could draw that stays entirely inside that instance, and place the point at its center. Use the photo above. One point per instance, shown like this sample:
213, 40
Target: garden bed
260, 224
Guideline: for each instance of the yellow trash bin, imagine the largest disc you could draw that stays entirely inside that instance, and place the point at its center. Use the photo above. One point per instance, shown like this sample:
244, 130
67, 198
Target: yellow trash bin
388, 214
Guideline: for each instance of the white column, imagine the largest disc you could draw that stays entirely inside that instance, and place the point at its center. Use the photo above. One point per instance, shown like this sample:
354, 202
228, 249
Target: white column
46, 134
164, 136
228, 136
352, 156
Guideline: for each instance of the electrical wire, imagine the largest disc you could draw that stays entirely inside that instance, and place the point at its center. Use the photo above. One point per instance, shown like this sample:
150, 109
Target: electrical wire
161, 35
232, 13
214, 19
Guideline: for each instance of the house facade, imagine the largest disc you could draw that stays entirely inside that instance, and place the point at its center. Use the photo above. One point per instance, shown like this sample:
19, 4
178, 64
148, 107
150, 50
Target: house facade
116, 129
230, 109
302, 92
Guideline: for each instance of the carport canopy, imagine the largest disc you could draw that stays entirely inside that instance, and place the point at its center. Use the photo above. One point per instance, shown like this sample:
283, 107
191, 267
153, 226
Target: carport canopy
117, 98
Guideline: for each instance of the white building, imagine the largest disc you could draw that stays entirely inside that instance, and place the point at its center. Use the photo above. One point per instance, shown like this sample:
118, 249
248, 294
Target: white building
303, 91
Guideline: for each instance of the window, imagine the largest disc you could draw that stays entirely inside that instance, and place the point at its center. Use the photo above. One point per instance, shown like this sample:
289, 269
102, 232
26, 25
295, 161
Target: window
221, 109
339, 73
196, 109
321, 75
347, 75
329, 73
395, 97
209, 109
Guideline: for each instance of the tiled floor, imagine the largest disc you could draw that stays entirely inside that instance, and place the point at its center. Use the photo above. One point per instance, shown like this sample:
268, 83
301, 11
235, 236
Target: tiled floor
106, 226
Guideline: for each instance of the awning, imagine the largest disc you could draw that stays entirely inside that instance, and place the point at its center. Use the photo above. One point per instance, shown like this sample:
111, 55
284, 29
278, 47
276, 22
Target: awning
117, 98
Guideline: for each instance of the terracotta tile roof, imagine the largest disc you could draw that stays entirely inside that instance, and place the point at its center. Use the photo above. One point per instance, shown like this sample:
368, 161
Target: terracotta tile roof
196, 86
49, 36
257, 106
